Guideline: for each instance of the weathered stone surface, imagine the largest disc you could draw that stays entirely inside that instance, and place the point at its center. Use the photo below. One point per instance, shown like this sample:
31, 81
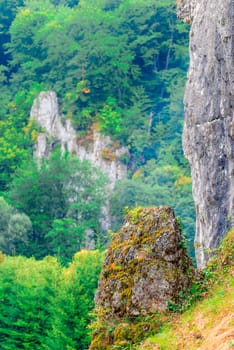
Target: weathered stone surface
208, 136
45, 111
145, 265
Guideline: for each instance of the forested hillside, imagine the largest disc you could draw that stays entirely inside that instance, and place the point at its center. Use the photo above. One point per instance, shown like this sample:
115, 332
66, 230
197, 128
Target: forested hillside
119, 65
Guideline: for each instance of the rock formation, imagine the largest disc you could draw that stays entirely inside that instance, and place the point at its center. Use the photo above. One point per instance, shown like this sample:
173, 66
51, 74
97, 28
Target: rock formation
98, 149
146, 267
208, 136
45, 112
145, 255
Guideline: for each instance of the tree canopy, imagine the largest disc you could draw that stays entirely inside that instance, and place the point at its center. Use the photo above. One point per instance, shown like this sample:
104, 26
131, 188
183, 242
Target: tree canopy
46, 306
63, 197
119, 64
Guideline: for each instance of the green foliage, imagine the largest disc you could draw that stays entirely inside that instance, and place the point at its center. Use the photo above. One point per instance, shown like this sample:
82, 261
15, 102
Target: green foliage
12, 151
45, 306
8, 11
99, 52
120, 64
15, 228
65, 237
110, 118
15, 140
63, 198
74, 302
25, 289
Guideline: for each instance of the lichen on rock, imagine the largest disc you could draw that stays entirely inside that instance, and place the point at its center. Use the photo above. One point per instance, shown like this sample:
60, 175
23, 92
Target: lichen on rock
146, 267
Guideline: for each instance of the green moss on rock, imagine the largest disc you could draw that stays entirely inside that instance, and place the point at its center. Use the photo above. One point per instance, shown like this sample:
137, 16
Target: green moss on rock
146, 267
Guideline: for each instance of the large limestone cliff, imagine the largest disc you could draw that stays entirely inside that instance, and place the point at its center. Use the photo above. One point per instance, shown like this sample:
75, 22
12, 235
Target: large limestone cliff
95, 147
208, 136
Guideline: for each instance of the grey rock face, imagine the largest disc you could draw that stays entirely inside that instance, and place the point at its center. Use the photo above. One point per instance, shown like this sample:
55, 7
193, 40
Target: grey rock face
45, 112
145, 265
208, 136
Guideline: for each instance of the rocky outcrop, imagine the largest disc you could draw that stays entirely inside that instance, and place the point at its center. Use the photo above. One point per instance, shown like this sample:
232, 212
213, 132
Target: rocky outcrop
45, 112
145, 269
95, 147
208, 136
145, 255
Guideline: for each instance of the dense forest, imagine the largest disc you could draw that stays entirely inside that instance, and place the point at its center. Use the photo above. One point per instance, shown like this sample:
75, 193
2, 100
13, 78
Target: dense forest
46, 306
120, 64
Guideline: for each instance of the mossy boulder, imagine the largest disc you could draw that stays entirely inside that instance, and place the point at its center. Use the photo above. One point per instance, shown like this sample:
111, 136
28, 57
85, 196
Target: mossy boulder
146, 270
146, 265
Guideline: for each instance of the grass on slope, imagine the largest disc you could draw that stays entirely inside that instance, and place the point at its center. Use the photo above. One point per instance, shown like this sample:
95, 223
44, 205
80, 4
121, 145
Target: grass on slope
209, 324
